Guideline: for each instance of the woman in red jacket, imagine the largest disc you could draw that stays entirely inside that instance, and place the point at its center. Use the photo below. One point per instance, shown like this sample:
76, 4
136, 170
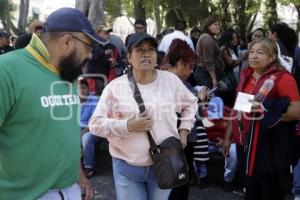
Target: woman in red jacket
253, 130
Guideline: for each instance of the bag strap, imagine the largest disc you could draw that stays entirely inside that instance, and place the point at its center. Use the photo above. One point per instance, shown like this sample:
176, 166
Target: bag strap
138, 98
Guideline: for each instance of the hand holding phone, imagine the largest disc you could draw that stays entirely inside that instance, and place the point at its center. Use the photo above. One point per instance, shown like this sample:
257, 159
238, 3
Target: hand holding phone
210, 93
202, 93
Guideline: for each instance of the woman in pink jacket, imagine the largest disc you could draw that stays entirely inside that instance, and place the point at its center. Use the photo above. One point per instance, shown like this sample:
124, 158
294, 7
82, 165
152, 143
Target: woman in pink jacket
117, 118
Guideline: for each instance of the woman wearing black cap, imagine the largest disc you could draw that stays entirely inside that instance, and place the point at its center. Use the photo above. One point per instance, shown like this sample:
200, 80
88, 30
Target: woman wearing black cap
117, 118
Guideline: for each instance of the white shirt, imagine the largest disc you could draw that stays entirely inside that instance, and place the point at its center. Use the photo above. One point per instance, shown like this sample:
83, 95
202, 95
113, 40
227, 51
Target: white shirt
285, 61
167, 40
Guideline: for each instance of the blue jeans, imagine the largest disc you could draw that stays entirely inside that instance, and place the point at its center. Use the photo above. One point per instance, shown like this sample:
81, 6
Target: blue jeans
296, 174
136, 182
230, 162
88, 144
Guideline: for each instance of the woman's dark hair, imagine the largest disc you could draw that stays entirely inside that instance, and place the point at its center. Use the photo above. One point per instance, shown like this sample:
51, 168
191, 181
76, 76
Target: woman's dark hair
23, 40
180, 50
84, 82
226, 38
180, 25
249, 38
287, 36
195, 30
260, 29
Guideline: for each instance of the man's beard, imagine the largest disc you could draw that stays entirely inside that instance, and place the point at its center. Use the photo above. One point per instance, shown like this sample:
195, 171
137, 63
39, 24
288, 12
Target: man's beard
70, 69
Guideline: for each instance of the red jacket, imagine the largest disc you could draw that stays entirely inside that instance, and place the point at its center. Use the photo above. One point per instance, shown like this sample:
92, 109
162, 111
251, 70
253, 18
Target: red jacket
246, 125
239, 131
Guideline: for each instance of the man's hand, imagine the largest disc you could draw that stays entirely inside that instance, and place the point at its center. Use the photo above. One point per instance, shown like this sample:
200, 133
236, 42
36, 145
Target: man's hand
220, 142
84, 131
183, 137
86, 186
141, 123
215, 83
226, 146
202, 94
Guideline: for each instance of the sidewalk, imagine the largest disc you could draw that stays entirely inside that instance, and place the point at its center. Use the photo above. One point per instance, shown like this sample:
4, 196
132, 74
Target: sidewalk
104, 186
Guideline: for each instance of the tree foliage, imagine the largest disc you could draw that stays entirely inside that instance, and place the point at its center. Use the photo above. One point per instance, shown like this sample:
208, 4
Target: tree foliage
232, 13
243, 15
6, 15
239, 14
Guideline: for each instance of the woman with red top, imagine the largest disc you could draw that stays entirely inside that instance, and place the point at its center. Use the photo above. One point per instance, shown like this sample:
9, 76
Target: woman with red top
180, 60
266, 132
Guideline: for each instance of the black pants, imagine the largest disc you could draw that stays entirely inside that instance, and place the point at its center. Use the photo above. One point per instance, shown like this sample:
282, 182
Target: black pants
182, 192
240, 176
265, 186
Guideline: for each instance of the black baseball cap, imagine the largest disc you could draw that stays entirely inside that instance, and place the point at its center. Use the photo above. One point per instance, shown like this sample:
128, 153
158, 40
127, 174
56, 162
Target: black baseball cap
137, 38
140, 21
4, 34
71, 20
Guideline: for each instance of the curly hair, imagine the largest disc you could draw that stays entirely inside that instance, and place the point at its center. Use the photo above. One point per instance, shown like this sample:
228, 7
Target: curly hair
180, 50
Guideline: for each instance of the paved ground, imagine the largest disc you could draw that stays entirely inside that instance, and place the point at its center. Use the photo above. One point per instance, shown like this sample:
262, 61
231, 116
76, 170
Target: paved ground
104, 187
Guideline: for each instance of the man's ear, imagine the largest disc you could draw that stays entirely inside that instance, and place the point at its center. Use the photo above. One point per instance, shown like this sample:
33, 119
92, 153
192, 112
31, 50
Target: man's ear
65, 42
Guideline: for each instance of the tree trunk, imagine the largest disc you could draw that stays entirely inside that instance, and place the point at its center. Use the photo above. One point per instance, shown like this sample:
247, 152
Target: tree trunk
6, 16
14, 29
270, 15
93, 10
139, 9
239, 16
96, 13
83, 6
119, 8
24, 6
250, 26
298, 24
157, 15
225, 16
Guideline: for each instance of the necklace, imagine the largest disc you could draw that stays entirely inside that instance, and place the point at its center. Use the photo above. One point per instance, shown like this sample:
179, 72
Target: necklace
255, 78
256, 75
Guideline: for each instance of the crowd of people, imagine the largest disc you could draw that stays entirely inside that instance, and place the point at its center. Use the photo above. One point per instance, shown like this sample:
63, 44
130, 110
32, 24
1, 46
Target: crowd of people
64, 87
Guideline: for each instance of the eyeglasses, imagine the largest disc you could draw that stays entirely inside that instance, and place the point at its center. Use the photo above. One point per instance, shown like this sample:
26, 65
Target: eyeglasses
90, 46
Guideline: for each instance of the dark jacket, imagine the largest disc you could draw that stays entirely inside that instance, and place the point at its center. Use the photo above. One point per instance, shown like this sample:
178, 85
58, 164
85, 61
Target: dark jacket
274, 150
100, 64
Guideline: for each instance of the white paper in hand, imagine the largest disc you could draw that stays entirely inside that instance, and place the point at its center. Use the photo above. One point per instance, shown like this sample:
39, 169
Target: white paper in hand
243, 103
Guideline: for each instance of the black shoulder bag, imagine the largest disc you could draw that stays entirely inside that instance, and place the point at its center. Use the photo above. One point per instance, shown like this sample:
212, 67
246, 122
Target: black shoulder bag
171, 169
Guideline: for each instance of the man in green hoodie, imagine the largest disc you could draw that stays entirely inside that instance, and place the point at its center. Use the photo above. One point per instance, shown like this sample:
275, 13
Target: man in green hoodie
39, 130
